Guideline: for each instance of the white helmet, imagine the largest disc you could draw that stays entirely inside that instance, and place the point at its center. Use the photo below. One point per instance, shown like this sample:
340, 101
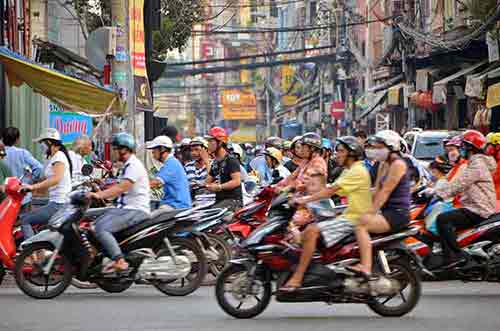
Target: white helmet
48, 133
160, 141
390, 138
185, 142
236, 149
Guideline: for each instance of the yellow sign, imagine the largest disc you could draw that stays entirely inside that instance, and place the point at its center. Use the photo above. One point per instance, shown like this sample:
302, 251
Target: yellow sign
287, 73
289, 100
493, 98
138, 55
238, 106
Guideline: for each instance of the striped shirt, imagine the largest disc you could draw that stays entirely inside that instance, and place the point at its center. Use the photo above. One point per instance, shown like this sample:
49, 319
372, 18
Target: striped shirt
195, 175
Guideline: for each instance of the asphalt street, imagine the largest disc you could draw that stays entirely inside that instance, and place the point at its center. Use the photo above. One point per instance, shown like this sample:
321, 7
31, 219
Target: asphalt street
444, 306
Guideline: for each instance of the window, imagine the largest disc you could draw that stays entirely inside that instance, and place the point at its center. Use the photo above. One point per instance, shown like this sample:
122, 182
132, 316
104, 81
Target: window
273, 8
313, 12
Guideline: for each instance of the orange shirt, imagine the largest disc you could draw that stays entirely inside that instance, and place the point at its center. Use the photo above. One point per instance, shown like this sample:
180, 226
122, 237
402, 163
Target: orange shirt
452, 174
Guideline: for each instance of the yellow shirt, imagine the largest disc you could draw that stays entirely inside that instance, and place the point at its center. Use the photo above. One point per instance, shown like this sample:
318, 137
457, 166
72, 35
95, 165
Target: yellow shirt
354, 184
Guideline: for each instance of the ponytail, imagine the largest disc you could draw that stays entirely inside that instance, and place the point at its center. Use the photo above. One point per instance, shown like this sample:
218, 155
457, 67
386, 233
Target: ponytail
65, 151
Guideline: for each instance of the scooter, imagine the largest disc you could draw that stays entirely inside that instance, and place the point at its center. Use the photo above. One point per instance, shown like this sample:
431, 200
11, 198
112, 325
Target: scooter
245, 288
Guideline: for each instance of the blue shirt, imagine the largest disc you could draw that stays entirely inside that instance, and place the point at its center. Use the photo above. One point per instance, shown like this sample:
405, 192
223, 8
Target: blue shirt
175, 184
17, 160
265, 174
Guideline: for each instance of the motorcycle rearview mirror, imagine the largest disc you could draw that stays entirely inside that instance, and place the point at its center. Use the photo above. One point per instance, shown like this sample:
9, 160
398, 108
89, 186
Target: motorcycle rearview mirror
87, 170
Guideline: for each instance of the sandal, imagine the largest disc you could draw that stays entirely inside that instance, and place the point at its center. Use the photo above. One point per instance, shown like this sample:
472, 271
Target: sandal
360, 271
113, 268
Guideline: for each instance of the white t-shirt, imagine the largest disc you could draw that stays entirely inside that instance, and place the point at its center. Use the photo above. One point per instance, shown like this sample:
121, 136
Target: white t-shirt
77, 162
59, 193
138, 197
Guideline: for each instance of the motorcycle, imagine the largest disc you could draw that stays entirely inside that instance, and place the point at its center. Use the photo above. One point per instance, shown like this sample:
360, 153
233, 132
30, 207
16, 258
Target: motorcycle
481, 244
175, 265
264, 259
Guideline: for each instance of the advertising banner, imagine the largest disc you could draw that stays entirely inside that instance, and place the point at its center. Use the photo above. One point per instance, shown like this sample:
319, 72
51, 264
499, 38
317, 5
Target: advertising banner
70, 125
237, 105
143, 99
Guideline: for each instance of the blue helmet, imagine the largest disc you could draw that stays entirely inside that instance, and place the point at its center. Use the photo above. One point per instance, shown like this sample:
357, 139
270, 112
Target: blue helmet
123, 139
326, 143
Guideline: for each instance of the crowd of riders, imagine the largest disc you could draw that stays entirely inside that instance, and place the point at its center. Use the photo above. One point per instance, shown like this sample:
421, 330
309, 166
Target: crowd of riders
374, 176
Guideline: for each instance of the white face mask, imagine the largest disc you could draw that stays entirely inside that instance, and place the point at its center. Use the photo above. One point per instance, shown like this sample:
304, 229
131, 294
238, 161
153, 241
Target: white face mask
44, 148
371, 154
382, 154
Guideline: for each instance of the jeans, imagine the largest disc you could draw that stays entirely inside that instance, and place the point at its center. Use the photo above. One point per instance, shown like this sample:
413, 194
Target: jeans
38, 216
115, 220
448, 222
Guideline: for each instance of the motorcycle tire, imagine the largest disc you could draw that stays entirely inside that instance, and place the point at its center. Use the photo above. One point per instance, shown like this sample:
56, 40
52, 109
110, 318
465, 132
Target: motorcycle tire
412, 278
83, 285
220, 292
2, 273
224, 250
23, 283
113, 286
201, 269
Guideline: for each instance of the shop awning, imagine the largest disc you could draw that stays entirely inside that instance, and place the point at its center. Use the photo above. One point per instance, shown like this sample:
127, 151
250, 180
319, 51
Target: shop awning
72, 93
377, 100
440, 90
475, 86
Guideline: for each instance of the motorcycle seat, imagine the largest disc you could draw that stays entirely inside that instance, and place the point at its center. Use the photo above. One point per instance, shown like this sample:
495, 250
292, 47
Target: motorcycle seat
157, 217
493, 219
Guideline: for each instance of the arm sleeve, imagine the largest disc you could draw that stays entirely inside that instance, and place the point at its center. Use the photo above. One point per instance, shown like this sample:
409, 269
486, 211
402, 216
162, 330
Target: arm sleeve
131, 173
461, 183
348, 182
233, 166
34, 164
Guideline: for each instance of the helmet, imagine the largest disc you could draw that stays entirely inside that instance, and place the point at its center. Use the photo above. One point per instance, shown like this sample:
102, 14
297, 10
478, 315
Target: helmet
389, 138
160, 141
287, 144
237, 150
198, 141
493, 138
474, 139
312, 139
123, 139
185, 142
274, 153
326, 143
295, 140
352, 144
455, 141
370, 141
248, 146
218, 134
275, 142
48, 134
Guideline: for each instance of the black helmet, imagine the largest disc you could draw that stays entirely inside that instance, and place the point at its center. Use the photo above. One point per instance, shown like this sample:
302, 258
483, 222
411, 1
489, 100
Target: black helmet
312, 139
353, 146
275, 142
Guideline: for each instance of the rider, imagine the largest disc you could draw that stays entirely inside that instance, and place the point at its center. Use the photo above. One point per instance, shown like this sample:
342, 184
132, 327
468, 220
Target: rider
295, 159
459, 163
333, 174
58, 180
171, 176
493, 149
224, 177
273, 159
133, 203
354, 183
259, 163
391, 200
197, 169
236, 151
478, 196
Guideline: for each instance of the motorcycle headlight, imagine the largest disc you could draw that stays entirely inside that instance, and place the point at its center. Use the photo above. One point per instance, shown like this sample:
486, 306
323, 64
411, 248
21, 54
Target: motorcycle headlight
61, 216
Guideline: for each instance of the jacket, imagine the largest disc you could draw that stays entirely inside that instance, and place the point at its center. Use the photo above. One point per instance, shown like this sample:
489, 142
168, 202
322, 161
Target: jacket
476, 185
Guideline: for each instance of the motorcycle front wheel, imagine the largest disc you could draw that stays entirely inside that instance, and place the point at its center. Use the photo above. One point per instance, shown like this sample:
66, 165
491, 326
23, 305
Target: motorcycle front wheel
236, 297
222, 250
406, 299
30, 276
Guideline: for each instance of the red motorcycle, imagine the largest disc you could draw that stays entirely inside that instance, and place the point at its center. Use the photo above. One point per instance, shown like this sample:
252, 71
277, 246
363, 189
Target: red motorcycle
265, 258
9, 212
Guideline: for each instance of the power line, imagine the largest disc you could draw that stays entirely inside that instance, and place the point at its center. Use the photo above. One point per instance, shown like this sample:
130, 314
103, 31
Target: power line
257, 5
253, 56
290, 29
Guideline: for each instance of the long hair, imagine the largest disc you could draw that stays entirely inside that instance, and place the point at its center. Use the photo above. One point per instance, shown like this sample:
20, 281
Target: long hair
65, 151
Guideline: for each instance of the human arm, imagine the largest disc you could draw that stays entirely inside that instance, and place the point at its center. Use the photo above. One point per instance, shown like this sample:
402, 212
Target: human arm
462, 181
234, 170
395, 173
114, 191
58, 169
34, 164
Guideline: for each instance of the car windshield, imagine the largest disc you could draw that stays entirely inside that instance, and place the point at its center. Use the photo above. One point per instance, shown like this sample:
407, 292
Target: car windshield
427, 148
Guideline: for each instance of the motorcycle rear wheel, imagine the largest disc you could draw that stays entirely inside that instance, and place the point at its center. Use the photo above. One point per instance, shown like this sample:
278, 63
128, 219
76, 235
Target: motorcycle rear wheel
25, 283
232, 275
408, 276
199, 269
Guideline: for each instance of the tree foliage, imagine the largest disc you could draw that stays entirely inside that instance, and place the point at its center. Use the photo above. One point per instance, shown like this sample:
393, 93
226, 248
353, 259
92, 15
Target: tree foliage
177, 20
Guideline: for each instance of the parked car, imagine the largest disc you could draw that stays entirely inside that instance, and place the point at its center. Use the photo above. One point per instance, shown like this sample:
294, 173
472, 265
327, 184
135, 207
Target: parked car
426, 145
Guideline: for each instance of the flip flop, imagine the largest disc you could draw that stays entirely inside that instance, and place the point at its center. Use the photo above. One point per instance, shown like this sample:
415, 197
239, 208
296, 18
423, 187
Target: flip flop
362, 273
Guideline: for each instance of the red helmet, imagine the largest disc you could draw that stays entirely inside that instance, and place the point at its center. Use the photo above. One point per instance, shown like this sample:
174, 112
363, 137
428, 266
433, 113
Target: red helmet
219, 134
455, 141
475, 139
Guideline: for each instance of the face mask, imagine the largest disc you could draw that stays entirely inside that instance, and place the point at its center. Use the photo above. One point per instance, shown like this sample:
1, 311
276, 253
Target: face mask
371, 154
44, 148
382, 154
453, 156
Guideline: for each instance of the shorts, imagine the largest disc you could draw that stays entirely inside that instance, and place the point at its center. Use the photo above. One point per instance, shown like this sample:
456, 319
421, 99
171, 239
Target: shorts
333, 231
398, 219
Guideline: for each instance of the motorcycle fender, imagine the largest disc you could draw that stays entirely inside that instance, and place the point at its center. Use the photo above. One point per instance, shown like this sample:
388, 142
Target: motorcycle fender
54, 238
404, 251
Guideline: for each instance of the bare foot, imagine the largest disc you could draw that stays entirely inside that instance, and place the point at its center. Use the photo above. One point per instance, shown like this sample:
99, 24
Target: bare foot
293, 284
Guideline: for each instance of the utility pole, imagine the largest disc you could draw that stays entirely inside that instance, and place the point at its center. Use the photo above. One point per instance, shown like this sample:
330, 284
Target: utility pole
368, 48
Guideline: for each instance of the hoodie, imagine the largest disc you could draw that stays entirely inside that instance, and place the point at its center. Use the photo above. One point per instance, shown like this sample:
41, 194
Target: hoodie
476, 185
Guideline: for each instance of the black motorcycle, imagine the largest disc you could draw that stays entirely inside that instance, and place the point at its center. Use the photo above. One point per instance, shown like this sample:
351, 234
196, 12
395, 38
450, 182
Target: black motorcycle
157, 254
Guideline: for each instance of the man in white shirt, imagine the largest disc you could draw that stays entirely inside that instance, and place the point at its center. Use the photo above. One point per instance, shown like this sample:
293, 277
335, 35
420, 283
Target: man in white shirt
82, 147
133, 203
